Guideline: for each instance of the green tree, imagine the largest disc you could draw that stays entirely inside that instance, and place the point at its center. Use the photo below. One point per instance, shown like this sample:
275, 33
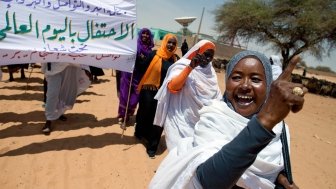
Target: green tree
289, 26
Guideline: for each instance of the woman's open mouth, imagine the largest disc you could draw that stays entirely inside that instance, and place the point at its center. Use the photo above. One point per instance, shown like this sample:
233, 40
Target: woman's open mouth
244, 100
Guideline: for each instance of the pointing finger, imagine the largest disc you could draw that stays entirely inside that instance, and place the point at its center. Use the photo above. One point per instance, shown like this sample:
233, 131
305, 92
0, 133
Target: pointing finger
286, 74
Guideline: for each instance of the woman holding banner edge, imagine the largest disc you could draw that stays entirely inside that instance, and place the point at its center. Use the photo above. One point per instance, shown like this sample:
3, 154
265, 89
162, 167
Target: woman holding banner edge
145, 44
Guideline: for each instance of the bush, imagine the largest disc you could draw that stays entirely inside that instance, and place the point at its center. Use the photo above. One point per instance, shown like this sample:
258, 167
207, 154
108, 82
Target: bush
324, 69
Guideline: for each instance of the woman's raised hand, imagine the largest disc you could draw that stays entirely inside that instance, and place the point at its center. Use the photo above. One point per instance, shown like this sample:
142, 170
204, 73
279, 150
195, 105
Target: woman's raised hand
197, 59
284, 97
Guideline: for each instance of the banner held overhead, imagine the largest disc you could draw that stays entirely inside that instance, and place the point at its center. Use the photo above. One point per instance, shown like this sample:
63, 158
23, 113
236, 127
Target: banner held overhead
100, 33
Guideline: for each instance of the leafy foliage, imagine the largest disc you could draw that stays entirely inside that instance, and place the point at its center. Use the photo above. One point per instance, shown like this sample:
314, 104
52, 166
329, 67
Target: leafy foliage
290, 26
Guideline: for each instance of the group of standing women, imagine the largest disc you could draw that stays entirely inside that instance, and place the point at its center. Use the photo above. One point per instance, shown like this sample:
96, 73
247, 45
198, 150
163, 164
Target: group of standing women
169, 90
214, 141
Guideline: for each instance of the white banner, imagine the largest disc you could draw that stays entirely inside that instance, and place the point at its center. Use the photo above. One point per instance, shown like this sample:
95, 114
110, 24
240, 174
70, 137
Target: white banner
100, 33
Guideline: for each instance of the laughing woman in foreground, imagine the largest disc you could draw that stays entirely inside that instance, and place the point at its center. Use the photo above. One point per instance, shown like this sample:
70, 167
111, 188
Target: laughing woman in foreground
237, 143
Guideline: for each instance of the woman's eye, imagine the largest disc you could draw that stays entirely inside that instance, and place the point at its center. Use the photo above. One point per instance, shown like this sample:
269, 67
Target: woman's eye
236, 78
256, 80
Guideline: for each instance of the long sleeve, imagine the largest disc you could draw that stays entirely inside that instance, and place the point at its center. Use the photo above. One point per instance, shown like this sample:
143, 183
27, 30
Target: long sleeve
177, 82
224, 168
142, 65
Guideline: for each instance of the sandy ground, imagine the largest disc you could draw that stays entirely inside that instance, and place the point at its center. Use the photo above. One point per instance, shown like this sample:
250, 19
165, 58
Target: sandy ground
88, 151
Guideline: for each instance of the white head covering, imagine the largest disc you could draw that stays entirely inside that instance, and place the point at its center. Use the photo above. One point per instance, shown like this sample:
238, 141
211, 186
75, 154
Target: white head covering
217, 126
179, 112
241, 55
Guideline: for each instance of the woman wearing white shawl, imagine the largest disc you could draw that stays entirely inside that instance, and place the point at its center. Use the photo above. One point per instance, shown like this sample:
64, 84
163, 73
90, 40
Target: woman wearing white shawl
177, 110
236, 142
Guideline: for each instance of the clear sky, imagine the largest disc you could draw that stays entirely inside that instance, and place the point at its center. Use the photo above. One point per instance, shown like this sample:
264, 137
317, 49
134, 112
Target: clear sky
161, 14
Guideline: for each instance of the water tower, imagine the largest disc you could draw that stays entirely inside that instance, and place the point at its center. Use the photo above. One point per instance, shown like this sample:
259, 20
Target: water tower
185, 22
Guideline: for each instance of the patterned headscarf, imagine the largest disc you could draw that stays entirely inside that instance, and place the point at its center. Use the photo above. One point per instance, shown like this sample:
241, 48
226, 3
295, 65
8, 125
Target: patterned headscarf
243, 54
145, 47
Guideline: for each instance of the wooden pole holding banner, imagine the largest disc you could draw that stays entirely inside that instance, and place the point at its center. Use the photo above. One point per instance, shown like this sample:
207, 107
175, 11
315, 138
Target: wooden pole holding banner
123, 125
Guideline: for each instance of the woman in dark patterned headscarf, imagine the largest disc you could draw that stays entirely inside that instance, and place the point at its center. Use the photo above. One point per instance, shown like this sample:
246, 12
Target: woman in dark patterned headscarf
144, 47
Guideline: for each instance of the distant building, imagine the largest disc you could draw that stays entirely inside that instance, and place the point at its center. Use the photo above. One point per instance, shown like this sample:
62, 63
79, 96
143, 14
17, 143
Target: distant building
159, 33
